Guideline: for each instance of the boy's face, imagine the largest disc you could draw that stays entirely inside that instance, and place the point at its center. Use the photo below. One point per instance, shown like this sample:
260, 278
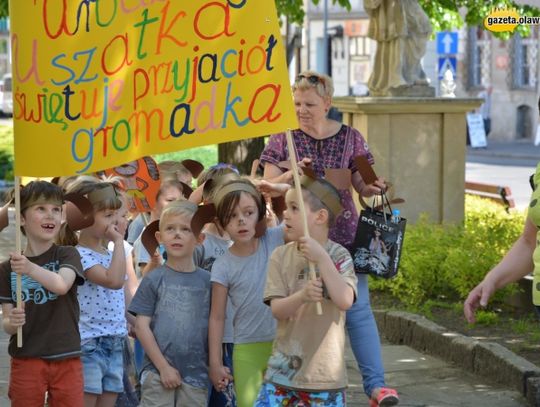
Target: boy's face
42, 221
294, 228
244, 218
176, 235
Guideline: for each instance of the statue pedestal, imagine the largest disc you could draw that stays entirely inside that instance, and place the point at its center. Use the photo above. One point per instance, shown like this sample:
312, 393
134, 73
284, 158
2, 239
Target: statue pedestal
419, 145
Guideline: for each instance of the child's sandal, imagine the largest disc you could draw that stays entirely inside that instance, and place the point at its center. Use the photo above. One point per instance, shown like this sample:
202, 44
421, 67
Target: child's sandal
387, 397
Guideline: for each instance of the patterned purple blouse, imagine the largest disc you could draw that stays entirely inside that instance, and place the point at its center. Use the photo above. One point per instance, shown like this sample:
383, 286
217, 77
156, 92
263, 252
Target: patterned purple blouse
337, 151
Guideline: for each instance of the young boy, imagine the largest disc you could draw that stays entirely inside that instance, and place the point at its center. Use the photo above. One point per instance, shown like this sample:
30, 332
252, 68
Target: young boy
307, 365
49, 360
172, 306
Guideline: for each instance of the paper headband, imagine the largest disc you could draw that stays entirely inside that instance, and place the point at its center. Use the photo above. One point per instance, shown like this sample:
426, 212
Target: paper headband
232, 187
79, 211
99, 195
203, 215
324, 194
338, 177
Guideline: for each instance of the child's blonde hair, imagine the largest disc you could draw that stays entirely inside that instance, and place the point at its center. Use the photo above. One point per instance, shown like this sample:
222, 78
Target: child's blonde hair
178, 208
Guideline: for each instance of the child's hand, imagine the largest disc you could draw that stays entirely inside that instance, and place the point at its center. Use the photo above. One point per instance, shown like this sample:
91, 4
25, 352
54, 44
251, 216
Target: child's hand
17, 316
271, 188
311, 249
170, 377
313, 291
220, 377
20, 264
112, 234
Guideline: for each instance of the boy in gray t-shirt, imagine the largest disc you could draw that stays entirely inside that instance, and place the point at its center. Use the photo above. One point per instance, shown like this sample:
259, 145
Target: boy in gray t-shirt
172, 306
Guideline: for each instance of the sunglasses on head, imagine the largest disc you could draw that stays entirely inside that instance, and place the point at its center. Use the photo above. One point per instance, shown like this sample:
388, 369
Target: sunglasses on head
313, 79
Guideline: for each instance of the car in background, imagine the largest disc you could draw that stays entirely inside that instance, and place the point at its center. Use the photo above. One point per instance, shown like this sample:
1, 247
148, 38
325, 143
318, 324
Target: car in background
6, 95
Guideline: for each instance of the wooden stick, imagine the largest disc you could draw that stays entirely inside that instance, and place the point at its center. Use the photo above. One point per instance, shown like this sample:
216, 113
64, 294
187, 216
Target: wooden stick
254, 166
298, 188
18, 250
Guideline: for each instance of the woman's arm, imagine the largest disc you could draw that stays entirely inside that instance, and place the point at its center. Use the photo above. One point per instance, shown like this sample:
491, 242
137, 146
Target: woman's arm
517, 263
367, 190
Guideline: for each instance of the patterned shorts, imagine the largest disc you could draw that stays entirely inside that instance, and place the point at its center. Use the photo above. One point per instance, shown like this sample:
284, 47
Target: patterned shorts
271, 395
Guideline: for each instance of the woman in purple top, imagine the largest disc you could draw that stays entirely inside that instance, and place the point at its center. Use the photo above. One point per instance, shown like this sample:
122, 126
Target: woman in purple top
328, 145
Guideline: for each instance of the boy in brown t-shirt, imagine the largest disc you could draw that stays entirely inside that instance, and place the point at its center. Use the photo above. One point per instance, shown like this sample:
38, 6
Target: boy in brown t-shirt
307, 362
49, 360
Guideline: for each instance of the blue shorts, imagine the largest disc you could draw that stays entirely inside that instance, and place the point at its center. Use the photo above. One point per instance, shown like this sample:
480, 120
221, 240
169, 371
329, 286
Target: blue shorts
271, 395
103, 365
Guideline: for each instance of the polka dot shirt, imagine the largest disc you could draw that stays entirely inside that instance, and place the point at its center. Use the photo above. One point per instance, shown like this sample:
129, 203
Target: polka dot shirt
102, 309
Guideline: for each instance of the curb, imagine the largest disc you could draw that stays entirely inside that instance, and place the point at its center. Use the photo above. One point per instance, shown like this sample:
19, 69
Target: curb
487, 359
502, 154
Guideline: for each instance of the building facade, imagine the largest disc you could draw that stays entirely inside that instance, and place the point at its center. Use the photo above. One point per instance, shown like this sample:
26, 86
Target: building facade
504, 72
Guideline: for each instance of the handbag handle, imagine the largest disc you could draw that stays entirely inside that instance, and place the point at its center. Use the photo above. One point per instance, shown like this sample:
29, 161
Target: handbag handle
383, 198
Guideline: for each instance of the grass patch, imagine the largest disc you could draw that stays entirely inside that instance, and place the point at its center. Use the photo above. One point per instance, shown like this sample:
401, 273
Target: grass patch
6, 140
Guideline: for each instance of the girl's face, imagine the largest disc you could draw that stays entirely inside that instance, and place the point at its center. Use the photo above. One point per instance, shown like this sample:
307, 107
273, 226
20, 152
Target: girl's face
102, 220
244, 218
310, 108
168, 195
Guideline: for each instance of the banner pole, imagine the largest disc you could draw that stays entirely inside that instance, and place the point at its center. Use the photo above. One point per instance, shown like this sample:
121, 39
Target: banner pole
298, 189
18, 250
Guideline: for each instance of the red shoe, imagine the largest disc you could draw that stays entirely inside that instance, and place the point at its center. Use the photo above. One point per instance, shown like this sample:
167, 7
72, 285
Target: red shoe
387, 397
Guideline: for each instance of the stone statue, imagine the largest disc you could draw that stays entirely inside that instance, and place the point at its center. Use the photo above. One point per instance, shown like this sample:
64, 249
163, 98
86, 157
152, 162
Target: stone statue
401, 29
448, 86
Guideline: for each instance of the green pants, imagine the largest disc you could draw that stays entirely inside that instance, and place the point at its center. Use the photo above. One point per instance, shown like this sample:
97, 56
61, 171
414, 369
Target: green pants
249, 364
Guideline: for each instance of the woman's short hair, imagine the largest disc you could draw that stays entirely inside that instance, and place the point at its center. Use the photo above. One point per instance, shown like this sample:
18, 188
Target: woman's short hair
322, 83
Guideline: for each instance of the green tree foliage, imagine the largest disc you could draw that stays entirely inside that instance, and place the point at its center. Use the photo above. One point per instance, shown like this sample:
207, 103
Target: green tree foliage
444, 14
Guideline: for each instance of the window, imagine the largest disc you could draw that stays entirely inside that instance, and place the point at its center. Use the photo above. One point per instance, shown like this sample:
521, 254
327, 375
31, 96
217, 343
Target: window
479, 58
359, 46
525, 60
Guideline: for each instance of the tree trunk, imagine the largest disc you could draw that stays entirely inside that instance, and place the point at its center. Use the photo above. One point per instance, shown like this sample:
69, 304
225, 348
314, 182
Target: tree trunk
241, 153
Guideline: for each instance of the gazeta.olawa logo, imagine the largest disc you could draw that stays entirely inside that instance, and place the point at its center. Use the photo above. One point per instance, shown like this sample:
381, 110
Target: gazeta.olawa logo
507, 19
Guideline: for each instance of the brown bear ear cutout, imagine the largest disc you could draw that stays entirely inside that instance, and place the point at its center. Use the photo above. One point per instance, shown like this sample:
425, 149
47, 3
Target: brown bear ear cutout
365, 169
309, 172
338, 177
278, 206
148, 237
205, 214
55, 180
186, 190
79, 211
260, 227
194, 167
4, 215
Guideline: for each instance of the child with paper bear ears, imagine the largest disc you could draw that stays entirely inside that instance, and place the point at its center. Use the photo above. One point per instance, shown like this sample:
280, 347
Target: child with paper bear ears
308, 362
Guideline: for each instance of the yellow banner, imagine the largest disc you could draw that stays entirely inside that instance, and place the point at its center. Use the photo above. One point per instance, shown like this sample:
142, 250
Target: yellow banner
98, 83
